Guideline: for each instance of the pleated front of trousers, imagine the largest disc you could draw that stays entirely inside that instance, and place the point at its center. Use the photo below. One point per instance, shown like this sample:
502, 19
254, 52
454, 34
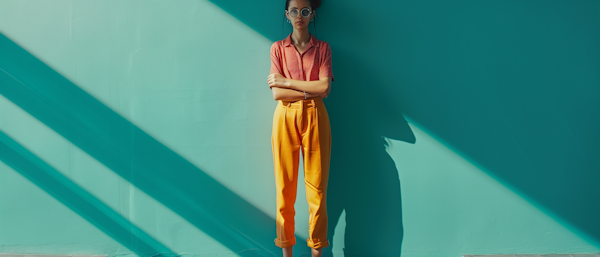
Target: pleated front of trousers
301, 126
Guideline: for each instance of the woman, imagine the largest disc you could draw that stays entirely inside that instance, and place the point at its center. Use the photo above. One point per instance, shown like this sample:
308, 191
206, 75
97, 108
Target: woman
300, 78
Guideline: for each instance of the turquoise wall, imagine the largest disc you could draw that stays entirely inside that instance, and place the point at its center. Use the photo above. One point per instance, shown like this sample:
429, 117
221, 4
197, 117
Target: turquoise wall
142, 128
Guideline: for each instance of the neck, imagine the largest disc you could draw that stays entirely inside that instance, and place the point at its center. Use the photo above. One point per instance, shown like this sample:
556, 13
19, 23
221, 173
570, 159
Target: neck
300, 36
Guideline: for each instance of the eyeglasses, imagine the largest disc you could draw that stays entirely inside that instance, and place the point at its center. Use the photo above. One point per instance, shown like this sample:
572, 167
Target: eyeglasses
305, 12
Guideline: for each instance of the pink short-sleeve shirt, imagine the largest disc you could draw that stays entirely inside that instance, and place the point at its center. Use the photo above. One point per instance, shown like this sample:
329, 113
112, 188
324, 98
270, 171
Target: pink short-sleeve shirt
313, 64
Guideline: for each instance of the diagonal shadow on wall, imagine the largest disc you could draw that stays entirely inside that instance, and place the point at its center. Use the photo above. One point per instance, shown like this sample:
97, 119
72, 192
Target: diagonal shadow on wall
363, 182
514, 89
133, 155
76, 198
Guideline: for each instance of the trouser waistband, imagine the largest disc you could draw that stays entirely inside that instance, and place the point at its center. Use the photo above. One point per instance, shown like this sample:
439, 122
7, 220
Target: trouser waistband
301, 103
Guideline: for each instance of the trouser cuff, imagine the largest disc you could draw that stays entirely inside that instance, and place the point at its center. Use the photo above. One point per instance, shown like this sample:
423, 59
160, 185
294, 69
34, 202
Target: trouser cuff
316, 244
286, 243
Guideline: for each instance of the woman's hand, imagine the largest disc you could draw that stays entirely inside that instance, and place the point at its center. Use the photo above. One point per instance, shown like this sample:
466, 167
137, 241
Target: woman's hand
278, 80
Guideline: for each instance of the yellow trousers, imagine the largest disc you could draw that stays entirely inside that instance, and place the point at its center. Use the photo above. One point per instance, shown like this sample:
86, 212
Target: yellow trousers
301, 125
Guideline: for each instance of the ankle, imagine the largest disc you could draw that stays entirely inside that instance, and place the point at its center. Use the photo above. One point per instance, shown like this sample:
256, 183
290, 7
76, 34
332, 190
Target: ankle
316, 252
287, 252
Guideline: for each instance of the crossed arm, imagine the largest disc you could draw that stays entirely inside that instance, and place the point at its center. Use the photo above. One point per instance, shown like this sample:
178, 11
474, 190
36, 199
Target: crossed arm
291, 89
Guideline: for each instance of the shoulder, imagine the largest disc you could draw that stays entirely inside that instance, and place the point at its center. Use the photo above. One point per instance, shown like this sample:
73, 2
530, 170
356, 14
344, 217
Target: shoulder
276, 48
323, 46
277, 44
321, 43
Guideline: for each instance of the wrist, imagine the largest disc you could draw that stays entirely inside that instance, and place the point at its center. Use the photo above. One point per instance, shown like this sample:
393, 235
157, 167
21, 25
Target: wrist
287, 82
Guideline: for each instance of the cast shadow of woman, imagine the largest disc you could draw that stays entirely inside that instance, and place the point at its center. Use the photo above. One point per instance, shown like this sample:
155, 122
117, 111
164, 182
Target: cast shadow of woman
363, 180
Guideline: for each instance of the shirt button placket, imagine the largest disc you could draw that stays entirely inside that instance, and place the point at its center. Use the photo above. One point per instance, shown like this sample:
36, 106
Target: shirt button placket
301, 65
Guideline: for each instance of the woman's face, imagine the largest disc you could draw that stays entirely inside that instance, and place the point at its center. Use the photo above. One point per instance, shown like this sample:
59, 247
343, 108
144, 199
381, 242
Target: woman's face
299, 23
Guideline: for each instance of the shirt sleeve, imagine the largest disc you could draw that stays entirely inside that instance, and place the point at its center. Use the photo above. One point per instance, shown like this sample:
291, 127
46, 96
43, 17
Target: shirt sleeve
276, 66
325, 67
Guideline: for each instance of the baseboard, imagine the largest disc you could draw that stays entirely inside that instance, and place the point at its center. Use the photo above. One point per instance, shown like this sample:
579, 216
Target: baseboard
46, 255
536, 255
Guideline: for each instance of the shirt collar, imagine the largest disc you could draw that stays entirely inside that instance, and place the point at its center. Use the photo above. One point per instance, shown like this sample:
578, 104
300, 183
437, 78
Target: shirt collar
288, 41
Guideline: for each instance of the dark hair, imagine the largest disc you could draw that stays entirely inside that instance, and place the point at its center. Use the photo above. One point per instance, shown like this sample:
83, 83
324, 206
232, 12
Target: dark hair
314, 4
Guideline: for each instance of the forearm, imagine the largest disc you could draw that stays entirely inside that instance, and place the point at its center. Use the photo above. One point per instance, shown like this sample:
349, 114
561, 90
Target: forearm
316, 86
289, 94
